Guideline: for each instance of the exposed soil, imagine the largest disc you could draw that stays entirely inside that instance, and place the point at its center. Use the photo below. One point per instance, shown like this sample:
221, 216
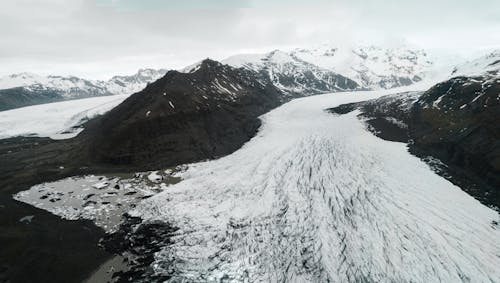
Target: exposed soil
45, 248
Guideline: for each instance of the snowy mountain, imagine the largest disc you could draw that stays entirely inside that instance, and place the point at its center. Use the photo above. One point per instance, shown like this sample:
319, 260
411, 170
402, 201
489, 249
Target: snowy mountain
371, 67
488, 64
316, 70
68, 86
25, 89
133, 83
292, 75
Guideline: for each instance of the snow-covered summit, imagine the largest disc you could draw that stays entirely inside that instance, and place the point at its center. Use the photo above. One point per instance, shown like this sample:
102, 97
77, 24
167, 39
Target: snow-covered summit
291, 74
371, 66
20, 79
488, 64
23, 89
258, 61
133, 83
70, 85
191, 68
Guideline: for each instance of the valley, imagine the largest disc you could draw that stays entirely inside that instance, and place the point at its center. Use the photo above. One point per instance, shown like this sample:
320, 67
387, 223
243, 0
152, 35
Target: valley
232, 173
249, 141
315, 196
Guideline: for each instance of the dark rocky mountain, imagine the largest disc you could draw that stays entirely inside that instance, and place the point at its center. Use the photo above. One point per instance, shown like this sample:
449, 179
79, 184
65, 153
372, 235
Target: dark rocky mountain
182, 117
457, 121
454, 126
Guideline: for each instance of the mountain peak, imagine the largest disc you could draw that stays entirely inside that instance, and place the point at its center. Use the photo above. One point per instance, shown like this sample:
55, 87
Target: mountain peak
30, 89
292, 75
205, 64
210, 63
208, 92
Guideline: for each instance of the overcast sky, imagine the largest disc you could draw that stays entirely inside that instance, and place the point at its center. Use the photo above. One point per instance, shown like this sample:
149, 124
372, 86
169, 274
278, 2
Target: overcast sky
100, 38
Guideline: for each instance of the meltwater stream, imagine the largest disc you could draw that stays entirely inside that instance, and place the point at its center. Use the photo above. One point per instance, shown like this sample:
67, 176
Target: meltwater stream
315, 197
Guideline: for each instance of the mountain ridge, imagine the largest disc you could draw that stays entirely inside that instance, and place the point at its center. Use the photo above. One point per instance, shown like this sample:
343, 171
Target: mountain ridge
24, 89
183, 117
292, 75
370, 67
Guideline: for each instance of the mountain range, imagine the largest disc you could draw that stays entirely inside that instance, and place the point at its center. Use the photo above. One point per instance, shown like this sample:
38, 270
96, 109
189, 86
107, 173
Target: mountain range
337, 69
26, 89
299, 72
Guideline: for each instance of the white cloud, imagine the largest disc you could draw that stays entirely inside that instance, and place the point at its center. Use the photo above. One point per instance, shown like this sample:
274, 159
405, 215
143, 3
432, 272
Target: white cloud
100, 38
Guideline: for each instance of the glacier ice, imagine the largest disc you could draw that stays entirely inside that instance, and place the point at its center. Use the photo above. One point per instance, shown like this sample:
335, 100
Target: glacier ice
316, 198
57, 120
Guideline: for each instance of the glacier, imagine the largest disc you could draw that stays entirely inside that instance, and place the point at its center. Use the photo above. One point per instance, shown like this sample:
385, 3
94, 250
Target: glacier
315, 197
57, 120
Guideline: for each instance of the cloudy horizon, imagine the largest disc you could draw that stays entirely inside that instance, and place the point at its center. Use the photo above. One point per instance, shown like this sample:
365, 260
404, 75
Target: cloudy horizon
101, 38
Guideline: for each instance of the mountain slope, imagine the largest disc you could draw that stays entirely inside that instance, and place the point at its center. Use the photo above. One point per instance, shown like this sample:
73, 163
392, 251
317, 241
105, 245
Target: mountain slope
133, 83
183, 117
487, 65
371, 66
457, 122
308, 71
293, 76
26, 89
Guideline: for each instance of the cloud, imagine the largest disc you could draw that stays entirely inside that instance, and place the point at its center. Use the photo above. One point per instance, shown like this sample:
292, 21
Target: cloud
98, 38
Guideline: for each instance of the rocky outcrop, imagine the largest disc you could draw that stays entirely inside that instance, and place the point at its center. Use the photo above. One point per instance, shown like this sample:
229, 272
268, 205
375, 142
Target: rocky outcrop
457, 121
453, 126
